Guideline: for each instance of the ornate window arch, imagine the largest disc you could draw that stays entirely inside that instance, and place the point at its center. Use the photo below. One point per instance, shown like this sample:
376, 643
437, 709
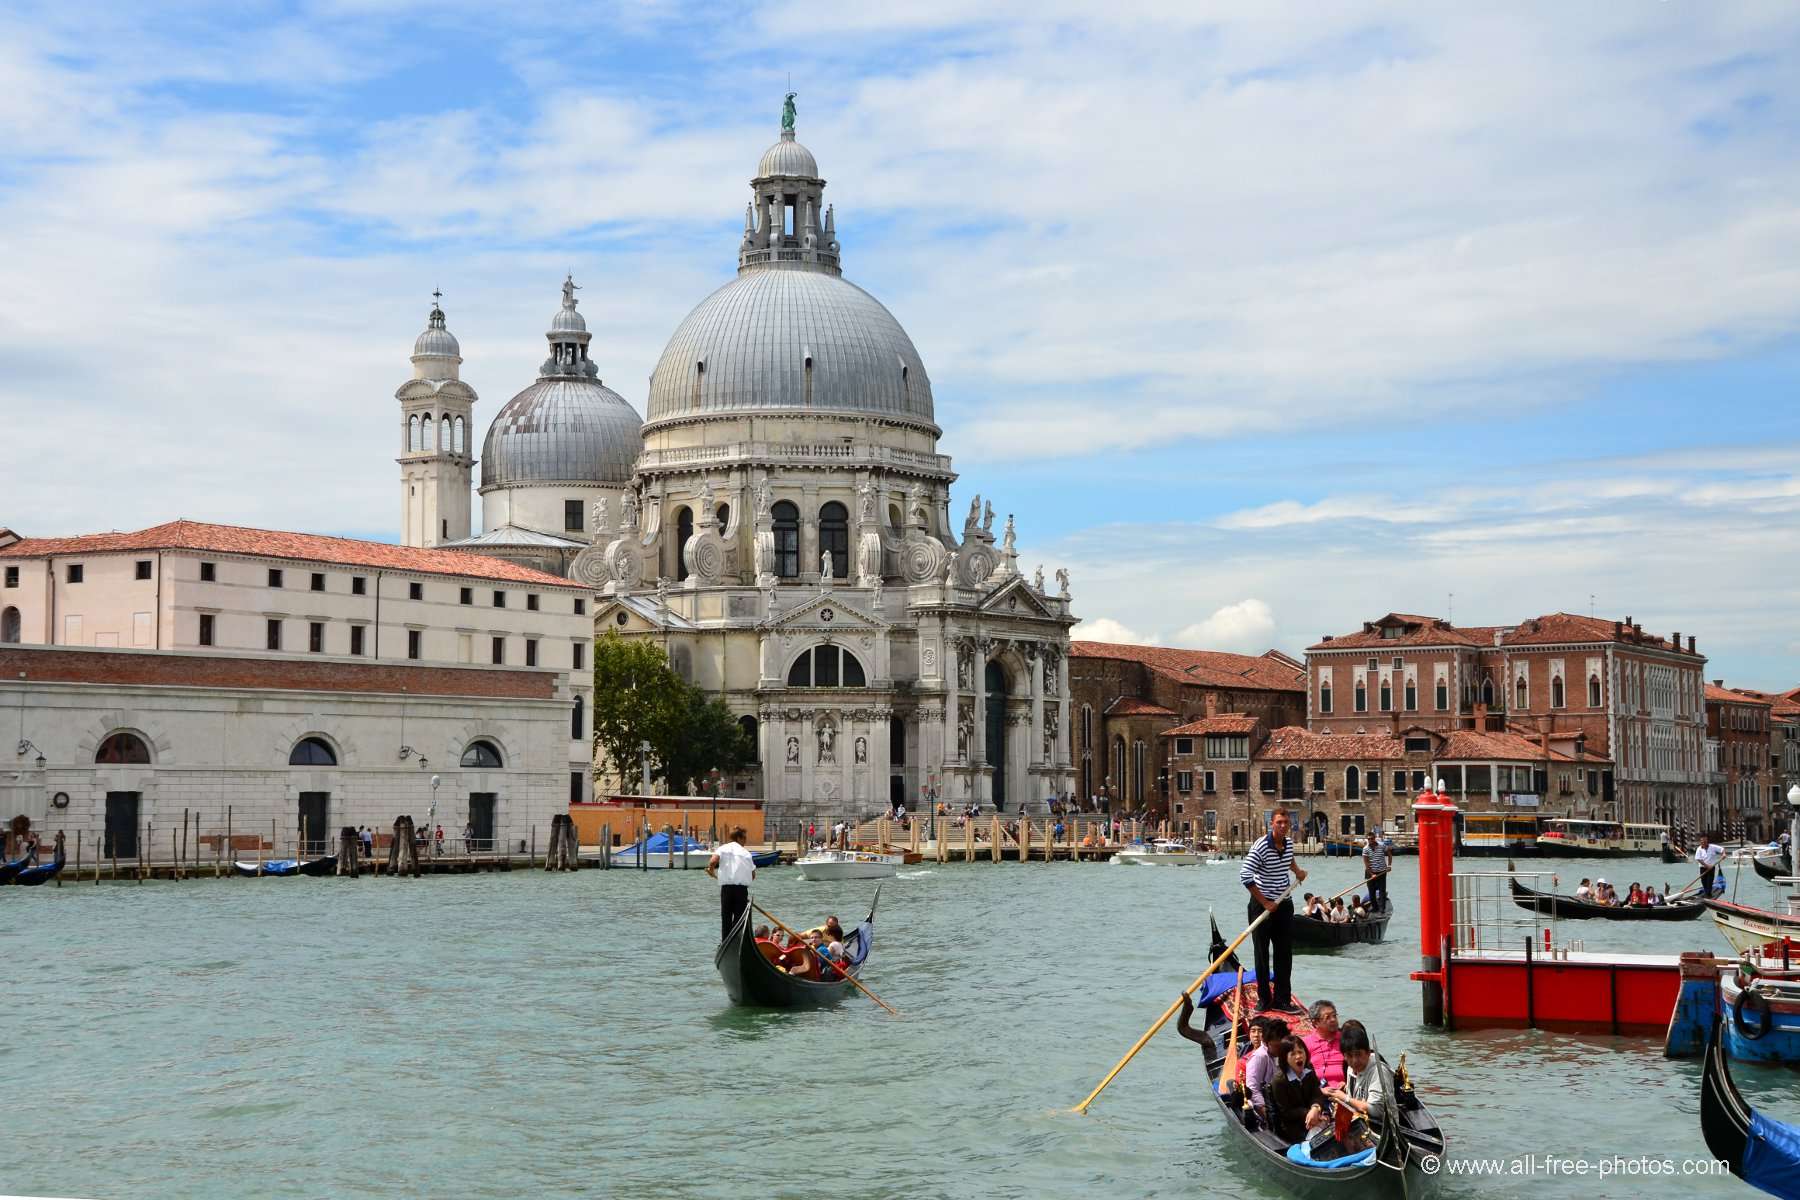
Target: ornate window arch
412, 432
443, 432
10, 626
1362, 696
834, 537
784, 517
122, 747
1557, 695
460, 443
313, 751
1593, 691
827, 665
1352, 783
484, 755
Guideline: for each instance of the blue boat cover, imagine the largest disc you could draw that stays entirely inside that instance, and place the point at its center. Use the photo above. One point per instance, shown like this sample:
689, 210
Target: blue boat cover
1219, 985
1297, 1153
660, 843
1772, 1157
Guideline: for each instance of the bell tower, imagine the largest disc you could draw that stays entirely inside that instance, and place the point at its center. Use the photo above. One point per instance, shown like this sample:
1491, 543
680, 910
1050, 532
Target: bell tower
435, 430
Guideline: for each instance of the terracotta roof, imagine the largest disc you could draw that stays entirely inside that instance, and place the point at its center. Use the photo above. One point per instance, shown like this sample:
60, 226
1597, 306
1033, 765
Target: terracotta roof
1223, 723
1270, 671
1548, 629
271, 543
1414, 630
1130, 706
1479, 745
1296, 744
1737, 695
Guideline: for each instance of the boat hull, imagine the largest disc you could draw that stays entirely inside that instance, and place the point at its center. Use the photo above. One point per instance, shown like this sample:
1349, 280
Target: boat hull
832, 871
1312, 933
1154, 858
1568, 908
752, 981
1748, 929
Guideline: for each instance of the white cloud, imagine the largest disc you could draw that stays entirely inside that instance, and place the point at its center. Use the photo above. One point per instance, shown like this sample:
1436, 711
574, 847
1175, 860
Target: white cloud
1105, 629
1246, 627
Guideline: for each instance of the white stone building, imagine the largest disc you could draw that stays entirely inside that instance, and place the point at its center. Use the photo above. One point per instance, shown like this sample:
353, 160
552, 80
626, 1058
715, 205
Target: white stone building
788, 537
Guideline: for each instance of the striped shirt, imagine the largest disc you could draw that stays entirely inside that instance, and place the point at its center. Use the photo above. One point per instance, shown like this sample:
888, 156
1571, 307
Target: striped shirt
1376, 858
1267, 867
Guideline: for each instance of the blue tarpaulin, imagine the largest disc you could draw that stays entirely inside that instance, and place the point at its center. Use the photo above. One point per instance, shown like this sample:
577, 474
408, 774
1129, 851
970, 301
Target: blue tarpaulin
660, 843
1220, 984
1772, 1157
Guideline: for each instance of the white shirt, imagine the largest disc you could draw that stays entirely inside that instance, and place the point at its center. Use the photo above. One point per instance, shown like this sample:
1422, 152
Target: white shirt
1709, 856
735, 865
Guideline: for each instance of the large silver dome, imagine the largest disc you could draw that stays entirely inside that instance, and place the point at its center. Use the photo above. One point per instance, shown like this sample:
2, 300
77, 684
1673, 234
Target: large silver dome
778, 338
562, 430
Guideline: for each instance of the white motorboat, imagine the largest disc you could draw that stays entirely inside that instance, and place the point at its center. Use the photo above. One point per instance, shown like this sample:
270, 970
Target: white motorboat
848, 864
1163, 852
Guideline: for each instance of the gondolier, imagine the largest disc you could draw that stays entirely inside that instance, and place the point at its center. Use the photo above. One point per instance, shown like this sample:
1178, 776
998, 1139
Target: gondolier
734, 868
1375, 870
1265, 873
1708, 856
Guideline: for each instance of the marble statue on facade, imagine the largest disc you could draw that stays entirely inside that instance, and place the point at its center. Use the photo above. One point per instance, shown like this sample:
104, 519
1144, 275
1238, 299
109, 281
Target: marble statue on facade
1062, 582
793, 751
602, 518
827, 734
987, 520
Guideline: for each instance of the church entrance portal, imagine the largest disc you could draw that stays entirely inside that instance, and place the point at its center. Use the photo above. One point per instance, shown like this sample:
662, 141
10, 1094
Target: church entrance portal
996, 730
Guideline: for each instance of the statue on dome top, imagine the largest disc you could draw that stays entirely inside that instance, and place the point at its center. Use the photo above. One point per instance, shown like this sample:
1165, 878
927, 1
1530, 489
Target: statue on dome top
787, 113
569, 289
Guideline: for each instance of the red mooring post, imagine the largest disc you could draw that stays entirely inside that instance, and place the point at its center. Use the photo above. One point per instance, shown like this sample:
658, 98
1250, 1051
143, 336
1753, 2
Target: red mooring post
1434, 818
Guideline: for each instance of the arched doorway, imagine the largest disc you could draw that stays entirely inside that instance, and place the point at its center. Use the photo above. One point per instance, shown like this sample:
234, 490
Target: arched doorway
9, 626
996, 730
1290, 783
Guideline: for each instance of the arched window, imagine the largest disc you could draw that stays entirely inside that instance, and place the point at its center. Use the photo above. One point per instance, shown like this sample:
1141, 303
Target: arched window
1362, 697
412, 432
827, 666
786, 521
9, 626
1520, 694
893, 516
444, 433
1325, 699
578, 719
459, 435
1443, 695
312, 752
1556, 691
122, 748
684, 530
483, 754
1352, 783
1487, 692
1412, 696
722, 515
748, 726
834, 537
1593, 691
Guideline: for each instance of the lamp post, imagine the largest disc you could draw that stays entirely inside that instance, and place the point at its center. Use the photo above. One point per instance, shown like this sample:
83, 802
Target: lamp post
714, 783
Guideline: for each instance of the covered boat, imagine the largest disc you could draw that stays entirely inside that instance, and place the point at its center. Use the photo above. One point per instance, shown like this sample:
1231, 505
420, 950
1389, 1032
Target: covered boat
287, 866
10, 869
753, 980
1763, 1152
1684, 906
1313, 932
1407, 1133
664, 851
1749, 929
38, 874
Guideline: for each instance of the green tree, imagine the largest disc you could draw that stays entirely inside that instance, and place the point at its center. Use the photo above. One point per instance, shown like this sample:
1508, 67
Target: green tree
636, 696
700, 733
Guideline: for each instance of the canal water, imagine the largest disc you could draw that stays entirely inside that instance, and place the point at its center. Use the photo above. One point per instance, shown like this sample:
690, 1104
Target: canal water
529, 1034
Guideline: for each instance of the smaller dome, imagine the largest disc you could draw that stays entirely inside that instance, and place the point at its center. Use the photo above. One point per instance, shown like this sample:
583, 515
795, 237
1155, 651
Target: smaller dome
437, 340
788, 157
562, 431
567, 320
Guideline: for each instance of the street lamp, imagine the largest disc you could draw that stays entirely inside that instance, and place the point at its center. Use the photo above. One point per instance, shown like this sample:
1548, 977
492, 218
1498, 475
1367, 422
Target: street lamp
714, 783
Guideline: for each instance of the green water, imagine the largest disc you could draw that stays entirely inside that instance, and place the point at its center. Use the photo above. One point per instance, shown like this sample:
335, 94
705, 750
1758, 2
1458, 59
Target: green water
527, 1034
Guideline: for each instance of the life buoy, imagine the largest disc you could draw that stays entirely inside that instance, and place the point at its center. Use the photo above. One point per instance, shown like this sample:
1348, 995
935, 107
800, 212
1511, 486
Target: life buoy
1745, 999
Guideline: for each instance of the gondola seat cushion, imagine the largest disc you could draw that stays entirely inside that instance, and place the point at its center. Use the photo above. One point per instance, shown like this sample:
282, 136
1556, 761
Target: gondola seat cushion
1298, 1153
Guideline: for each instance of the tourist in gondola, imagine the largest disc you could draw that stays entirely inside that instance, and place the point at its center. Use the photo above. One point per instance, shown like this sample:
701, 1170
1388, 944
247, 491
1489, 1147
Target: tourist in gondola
1339, 914
1324, 1045
1297, 1102
1375, 870
734, 868
1263, 1067
1585, 891
1367, 1080
1265, 874
1707, 857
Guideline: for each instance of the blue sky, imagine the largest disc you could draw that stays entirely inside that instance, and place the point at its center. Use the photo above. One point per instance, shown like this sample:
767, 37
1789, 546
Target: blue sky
1264, 319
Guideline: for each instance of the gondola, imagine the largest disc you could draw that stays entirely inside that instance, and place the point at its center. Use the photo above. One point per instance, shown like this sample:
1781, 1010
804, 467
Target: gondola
1313, 933
39, 874
752, 981
1403, 1142
325, 865
1763, 1152
1552, 904
10, 869
1772, 864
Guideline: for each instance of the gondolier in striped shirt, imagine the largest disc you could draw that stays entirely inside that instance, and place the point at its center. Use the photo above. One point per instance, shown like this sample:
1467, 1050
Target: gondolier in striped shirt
1375, 870
1265, 873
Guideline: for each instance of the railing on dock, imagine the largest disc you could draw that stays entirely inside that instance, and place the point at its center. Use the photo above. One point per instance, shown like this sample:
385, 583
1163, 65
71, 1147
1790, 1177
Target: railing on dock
1484, 915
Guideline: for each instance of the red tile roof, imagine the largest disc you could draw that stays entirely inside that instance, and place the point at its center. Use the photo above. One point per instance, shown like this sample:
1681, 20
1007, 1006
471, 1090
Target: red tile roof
1130, 706
1549, 629
1481, 745
270, 543
1238, 723
1737, 695
1270, 671
1414, 630
1293, 743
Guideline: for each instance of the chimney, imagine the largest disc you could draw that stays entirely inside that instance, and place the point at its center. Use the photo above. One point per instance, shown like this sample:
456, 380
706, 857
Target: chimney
1718, 683
1212, 704
1628, 620
1326, 638
1691, 643
1617, 630
1676, 640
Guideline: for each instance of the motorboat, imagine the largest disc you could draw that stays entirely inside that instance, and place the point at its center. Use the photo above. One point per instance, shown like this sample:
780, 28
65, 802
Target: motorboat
1167, 852
849, 864
1750, 929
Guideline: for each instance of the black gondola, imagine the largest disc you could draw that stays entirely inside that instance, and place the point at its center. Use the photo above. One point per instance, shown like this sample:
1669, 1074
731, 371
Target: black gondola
1772, 864
280, 867
39, 874
1552, 904
752, 981
1401, 1144
1763, 1152
1314, 933
10, 869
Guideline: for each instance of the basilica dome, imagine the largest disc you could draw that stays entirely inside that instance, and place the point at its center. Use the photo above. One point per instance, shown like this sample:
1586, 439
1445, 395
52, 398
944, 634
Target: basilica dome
567, 427
790, 333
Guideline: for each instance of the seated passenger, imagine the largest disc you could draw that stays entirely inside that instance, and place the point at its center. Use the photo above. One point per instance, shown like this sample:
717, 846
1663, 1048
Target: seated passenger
1368, 1084
1654, 898
1324, 1047
762, 933
1584, 892
1635, 898
1357, 911
1262, 1068
1316, 909
1339, 915
1297, 1103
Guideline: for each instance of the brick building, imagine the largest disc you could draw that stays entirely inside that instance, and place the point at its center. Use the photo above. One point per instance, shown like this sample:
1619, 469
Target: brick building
1229, 772
1589, 689
1123, 697
1749, 794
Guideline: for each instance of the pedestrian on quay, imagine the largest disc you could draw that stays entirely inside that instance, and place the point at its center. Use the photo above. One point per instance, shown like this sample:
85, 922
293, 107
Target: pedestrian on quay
732, 865
1265, 874
468, 837
1708, 857
1375, 872
439, 852
368, 842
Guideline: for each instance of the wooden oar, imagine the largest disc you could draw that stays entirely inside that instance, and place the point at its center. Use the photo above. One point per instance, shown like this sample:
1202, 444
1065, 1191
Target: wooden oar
841, 968
1228, 1073
1193, 987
